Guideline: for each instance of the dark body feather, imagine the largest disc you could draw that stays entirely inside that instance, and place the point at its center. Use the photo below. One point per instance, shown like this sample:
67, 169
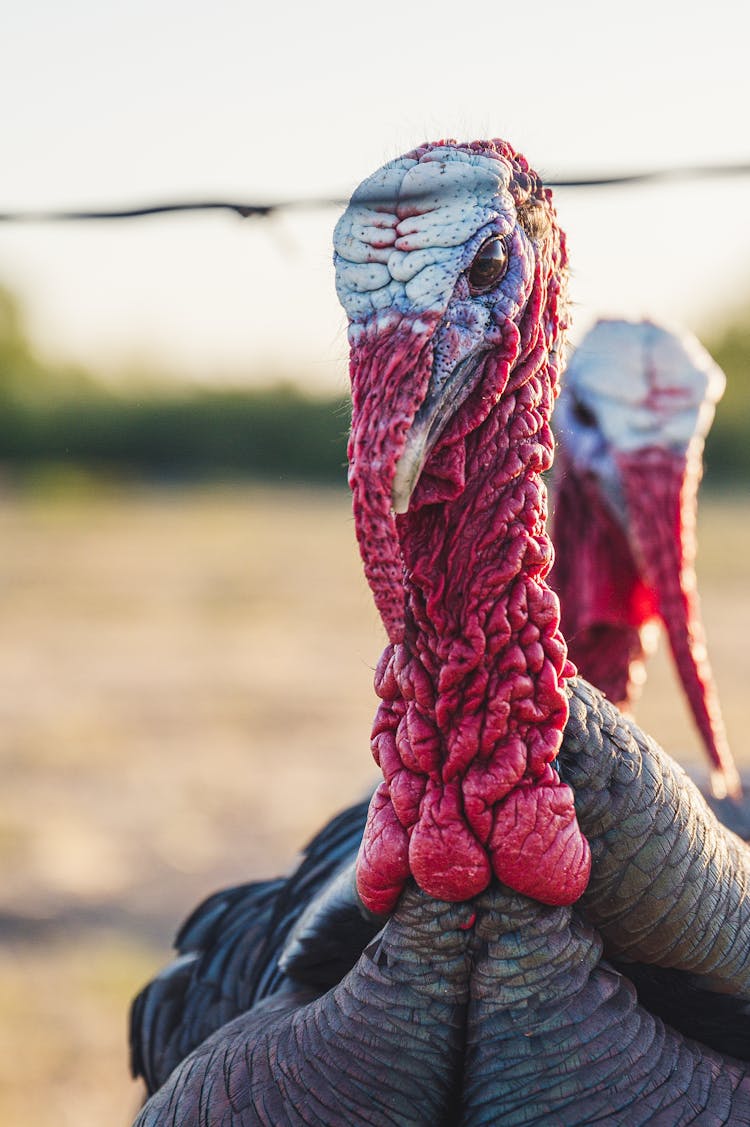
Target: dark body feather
229, 950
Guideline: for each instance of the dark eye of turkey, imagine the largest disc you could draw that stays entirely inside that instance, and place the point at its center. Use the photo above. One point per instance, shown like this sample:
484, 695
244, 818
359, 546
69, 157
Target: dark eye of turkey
489, 265
583, 414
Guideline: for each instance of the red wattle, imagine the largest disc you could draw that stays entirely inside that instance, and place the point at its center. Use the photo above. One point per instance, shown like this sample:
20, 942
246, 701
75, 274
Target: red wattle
473, 703
389, 373
604, 600
383, 862
445, 858
536, 845
660, 488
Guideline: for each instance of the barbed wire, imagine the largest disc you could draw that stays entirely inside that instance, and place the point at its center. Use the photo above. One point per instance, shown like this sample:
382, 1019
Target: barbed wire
265, 210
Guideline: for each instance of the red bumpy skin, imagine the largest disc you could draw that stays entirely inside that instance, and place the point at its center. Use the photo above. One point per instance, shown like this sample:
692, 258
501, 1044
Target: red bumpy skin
660, 491
605, 601
614, 583
472, 703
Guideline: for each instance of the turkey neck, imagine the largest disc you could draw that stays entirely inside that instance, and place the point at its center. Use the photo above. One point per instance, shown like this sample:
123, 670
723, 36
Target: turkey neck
472, 703
604, 602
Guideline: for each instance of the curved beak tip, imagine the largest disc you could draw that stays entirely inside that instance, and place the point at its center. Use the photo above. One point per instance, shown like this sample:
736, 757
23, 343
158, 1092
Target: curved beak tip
408, 468
406, 475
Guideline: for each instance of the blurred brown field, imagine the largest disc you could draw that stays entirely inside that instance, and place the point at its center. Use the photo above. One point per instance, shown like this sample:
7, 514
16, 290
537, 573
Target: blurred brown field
185, 696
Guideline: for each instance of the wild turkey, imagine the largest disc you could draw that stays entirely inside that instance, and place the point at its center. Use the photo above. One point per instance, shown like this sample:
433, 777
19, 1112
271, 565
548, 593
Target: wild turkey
236, 946
477, 1003
636, 405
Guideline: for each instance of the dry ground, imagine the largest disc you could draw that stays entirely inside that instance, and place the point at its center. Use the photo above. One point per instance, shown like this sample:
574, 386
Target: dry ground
185, 695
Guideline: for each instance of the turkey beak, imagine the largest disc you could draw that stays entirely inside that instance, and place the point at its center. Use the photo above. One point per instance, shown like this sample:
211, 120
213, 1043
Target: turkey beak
409, 465
660, 492
446, 392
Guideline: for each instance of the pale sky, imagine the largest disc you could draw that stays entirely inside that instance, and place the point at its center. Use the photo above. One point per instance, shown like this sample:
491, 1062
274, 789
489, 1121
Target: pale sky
107, 105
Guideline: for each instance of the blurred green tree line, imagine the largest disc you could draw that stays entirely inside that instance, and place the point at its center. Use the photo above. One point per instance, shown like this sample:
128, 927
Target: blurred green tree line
728, 444
60, 416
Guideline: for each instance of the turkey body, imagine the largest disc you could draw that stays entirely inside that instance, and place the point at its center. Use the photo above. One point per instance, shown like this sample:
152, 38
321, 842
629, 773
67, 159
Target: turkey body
422, 1031
484, 998
232, 945
302, 934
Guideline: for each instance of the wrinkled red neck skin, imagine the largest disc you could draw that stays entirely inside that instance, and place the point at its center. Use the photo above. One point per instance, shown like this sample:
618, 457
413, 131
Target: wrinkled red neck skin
611, 587
660, 491
604, 601
472, 704
390, 370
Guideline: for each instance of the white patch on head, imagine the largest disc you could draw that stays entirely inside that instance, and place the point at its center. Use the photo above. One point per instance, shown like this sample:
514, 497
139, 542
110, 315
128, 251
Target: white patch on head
401, 243
644, 386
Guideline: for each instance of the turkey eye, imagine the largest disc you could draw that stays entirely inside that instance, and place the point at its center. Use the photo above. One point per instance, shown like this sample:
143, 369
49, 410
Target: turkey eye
489, 265
583, 414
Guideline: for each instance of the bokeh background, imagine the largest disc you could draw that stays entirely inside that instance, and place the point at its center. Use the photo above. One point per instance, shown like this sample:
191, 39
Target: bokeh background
186, 643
